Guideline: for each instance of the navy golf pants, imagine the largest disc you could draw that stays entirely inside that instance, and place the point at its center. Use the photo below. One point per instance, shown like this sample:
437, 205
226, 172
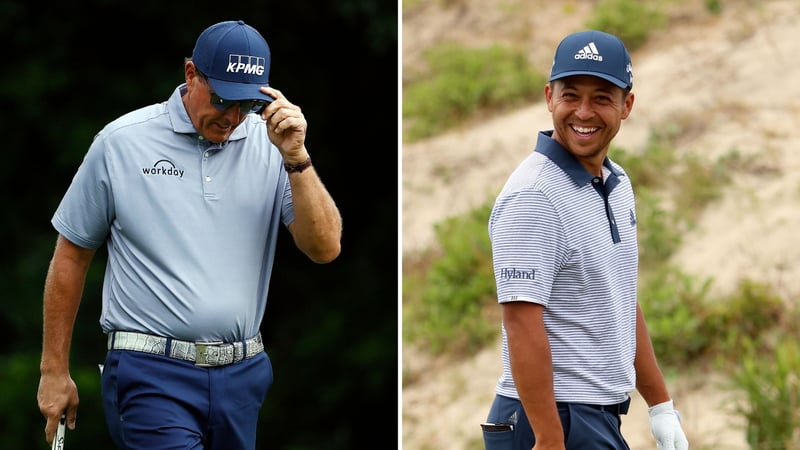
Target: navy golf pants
585, 427
155, 402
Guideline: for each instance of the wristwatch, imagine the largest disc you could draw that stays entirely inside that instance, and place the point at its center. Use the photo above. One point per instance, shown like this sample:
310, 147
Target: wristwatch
298, 167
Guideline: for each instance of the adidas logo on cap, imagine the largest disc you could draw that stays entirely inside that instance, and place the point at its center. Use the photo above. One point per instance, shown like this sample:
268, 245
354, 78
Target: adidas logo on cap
589, 52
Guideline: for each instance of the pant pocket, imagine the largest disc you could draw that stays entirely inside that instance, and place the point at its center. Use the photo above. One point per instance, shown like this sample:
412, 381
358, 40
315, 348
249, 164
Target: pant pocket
498, 440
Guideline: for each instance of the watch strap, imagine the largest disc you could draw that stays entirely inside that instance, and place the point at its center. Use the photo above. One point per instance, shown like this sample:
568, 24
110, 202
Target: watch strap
290, 168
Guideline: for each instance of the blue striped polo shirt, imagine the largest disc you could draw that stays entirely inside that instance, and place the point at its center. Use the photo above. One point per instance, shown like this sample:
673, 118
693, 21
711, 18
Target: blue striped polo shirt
565, 239
190, 226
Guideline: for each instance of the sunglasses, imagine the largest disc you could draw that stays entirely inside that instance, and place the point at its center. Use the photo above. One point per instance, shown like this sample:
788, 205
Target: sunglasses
245, 106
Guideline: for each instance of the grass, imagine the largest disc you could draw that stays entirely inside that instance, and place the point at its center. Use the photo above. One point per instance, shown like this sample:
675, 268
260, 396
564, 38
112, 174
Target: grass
464, 83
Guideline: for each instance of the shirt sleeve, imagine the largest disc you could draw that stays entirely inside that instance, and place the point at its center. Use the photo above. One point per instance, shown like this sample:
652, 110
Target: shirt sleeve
287, 202
528, 246
87, 208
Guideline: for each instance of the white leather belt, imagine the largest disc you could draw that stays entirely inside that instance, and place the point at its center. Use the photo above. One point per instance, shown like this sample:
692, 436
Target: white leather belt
204, 354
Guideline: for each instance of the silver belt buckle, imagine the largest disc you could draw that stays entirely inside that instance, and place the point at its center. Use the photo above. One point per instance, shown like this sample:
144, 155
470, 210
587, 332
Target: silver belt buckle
205, 352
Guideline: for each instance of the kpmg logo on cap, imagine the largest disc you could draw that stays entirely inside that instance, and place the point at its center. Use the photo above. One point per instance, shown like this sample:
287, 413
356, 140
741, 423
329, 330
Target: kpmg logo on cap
589, 52
246, 64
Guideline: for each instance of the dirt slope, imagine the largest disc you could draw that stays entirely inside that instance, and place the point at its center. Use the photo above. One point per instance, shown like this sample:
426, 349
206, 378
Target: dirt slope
735, 78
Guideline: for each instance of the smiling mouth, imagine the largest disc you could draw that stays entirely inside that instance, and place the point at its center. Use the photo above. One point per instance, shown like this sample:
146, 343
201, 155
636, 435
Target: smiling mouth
584, 131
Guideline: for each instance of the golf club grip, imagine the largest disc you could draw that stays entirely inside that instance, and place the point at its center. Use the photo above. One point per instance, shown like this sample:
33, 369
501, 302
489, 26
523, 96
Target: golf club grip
58, 440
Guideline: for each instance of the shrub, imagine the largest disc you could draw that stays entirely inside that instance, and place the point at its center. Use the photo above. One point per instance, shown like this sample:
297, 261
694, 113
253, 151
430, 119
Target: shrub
672, 303
462, 83
768, 379
630, 20
458, 288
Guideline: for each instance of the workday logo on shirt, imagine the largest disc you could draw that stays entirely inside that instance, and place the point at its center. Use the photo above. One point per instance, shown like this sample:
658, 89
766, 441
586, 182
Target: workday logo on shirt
163, 168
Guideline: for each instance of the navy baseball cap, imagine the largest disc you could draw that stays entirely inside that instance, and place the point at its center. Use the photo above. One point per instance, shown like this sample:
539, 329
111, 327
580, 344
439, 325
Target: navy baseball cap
593, 53
235, 58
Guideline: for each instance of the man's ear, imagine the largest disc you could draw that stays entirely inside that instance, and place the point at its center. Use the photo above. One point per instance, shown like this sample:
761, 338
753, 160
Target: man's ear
628, 106
189, 72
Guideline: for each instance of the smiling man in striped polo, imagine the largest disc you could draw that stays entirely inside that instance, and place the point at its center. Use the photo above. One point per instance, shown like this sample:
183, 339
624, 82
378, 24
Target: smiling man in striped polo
565, 255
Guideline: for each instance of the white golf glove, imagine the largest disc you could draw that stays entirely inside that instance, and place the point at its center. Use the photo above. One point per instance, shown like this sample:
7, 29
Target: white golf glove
665, 424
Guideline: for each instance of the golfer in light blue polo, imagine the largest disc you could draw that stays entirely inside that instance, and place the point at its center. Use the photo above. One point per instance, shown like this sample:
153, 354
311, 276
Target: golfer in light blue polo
188, 196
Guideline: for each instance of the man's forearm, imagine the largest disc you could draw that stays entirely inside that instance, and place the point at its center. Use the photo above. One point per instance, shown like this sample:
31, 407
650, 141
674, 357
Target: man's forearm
317, 228
532, 369
649, 379
62, 295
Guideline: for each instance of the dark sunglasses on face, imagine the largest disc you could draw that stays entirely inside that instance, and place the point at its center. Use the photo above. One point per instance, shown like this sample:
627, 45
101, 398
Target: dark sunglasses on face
245, 106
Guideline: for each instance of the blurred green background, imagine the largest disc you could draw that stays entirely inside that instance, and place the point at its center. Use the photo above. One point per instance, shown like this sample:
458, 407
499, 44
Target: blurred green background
330, 330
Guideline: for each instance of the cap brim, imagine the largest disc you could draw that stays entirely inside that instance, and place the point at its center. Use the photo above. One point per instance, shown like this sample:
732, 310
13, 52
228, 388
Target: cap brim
239, 91
616, 81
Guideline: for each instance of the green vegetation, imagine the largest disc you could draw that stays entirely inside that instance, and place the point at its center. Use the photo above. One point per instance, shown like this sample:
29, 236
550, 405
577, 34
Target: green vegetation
768, 377
462, 84
452, 295
713, 6
630, 20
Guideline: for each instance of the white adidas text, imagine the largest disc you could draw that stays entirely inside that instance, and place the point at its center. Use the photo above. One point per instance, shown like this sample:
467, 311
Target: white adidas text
589, 52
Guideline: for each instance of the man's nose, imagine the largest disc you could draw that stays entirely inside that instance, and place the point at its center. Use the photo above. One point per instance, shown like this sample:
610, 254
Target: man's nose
584, 109
234, 112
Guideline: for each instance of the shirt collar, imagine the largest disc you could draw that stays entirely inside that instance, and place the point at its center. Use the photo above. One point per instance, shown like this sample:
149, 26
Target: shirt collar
549, 147
181, 123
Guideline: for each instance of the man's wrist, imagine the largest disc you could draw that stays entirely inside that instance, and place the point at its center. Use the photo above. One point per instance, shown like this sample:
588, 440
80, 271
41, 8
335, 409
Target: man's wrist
297, 167
296, 157
661, 408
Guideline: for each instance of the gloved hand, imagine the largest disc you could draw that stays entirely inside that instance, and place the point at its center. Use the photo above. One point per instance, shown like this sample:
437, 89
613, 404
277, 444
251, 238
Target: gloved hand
665, 424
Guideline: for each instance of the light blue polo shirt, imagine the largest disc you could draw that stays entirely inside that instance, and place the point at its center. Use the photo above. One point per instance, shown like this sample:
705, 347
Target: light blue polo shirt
190, 226
566, 240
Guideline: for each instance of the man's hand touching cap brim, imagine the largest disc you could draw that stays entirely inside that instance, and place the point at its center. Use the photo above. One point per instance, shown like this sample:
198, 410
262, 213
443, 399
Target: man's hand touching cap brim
286, 126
